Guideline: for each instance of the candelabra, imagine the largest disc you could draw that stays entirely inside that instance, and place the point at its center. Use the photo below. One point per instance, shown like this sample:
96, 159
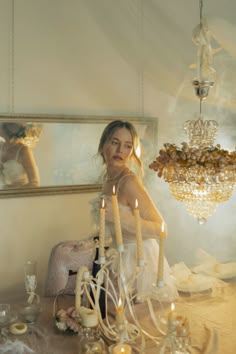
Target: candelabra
125, 328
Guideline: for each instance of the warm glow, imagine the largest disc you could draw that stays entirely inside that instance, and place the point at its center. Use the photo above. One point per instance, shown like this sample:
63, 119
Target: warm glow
163, 227
119, 308
200, 193
172, 306
122, 348
136, 203
138, 151
103, 203
114, 190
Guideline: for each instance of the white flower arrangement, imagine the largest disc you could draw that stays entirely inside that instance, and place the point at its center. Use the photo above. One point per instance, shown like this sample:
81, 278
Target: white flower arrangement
173, 159
67, 320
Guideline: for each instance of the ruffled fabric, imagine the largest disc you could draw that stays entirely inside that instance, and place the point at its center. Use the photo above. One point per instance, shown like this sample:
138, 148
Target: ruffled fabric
71, 255
14, 173
144, 283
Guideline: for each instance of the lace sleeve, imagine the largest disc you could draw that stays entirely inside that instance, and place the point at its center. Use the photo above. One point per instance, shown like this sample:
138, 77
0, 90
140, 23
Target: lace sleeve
95, 206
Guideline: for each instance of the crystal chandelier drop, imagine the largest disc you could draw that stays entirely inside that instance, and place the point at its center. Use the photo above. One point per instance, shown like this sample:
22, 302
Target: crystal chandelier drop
199, 174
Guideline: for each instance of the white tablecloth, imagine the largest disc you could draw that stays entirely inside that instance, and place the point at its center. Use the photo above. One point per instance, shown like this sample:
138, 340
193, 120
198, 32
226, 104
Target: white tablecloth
212, 318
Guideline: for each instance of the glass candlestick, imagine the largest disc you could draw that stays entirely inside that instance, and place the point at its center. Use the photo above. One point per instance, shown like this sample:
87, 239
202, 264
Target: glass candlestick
30, 272
90, 341
177, 338
120, 348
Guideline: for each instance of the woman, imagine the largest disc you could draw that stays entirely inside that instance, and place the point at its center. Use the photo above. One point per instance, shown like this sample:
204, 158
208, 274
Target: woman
118, 148
17, 164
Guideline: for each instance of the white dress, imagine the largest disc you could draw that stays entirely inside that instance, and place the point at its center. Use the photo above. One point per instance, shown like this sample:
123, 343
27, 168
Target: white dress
68, 256
144, 283
12, 172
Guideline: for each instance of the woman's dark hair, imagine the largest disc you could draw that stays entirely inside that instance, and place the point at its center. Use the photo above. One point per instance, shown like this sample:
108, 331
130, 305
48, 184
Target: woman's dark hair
111, 129
14, 130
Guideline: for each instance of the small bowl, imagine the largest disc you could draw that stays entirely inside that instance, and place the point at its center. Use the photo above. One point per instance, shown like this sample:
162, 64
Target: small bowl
30, 313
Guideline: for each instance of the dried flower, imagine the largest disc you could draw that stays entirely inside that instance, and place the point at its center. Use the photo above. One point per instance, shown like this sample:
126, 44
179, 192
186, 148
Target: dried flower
67, 320
213, 159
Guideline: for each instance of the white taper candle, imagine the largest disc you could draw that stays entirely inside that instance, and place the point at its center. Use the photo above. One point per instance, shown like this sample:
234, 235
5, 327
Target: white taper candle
138, 232
102, 230
116, 215
160, 272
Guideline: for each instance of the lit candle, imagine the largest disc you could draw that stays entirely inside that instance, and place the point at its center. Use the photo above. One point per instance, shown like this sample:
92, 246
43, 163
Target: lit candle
182, 326
172, 316
120, 315
102, 232
78, 292
89, 317
160, 272
122, 348
138, 232
116, 215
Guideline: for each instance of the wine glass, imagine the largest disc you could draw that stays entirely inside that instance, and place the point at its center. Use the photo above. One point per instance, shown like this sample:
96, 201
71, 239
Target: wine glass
30, 270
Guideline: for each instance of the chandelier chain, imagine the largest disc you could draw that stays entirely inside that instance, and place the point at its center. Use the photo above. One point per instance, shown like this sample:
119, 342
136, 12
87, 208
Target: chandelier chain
141, 57
200, 107
201, 10
11, 85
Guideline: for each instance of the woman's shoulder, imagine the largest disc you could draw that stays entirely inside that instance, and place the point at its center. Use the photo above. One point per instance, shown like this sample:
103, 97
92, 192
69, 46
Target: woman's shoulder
129, 180
129, 176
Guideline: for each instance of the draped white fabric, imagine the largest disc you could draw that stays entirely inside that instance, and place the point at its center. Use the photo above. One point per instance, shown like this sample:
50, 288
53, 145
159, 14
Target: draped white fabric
154, 37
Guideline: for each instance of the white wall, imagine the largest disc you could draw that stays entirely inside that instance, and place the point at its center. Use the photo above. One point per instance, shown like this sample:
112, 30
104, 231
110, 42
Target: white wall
64, 63
30, 227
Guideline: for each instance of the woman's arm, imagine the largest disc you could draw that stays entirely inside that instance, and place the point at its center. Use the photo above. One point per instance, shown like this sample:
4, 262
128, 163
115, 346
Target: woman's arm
27, 160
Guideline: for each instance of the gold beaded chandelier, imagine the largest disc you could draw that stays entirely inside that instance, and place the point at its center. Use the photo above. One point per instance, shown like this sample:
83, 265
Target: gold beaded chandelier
199, 174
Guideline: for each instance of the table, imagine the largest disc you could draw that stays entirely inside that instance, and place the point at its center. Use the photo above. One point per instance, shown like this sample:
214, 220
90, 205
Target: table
212, 318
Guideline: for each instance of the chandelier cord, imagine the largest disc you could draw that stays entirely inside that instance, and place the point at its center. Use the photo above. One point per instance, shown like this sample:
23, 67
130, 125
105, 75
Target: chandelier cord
141, 58
11, 85
201, 108
201, 10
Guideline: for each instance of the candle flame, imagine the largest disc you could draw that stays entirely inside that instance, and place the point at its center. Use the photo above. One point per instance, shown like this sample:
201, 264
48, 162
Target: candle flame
103, 203
163, 227
122, 350
114, 190
172, 306
136, 203
119, 308
138, 151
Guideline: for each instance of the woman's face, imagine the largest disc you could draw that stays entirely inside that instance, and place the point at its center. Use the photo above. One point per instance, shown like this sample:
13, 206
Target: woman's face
118, 149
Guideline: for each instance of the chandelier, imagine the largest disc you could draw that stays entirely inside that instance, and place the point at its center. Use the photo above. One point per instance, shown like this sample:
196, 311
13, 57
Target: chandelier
199, 173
